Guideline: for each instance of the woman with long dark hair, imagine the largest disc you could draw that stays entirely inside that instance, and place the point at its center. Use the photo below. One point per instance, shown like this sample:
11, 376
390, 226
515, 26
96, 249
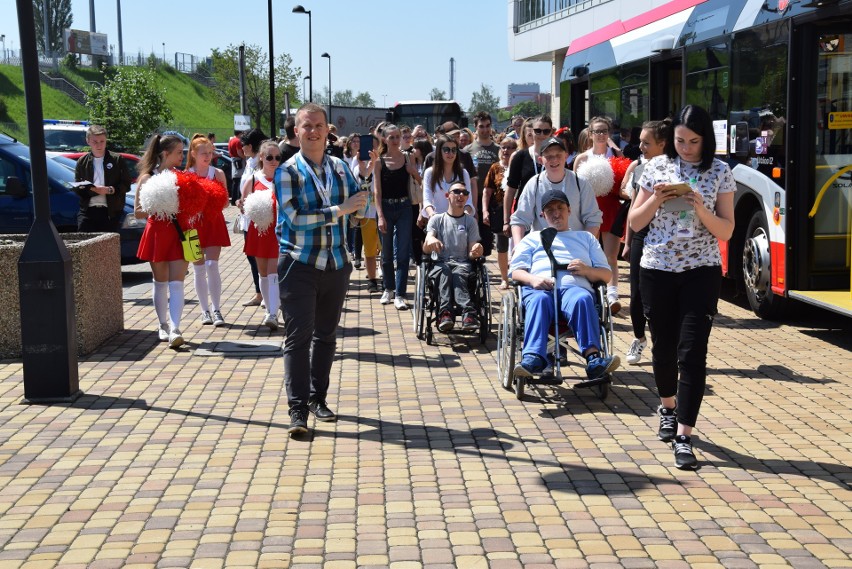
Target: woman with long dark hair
445, 170
681, 267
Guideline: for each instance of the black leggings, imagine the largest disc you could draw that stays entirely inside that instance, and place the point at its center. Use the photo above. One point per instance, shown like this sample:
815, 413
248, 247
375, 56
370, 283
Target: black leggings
637, 311
680, 308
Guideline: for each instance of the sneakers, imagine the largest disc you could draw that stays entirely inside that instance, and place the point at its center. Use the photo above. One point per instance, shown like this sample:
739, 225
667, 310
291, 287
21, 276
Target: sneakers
387, 297
668, 424
683, 454
445, 321
321, 411
163, 332
530, 365
217, 319
399, 303
599, 366
357, 263
298, 421
470, 323
270, 321
634, 354
206, 318
614, 304
175, 338
372, 285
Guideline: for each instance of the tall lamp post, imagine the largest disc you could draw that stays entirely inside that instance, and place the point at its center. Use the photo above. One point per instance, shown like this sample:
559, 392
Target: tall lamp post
305, 86
299, 9
272, 125
328, 57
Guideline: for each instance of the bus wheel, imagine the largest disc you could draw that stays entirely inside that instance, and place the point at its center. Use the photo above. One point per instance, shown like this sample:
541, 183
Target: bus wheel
757, 270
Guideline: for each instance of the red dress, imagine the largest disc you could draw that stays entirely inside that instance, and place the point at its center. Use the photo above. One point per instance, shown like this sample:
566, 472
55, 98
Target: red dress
256, 245
212, 229
609, 206
160, 242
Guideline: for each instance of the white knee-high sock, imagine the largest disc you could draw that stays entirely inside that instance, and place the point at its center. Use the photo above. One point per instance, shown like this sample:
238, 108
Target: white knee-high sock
200, 276
161, 301
273, 301
175, 303
214, 280
264, 290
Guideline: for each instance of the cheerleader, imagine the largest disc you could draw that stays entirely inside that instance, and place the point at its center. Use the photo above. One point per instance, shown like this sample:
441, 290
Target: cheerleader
261, 241
212, 233
160, 244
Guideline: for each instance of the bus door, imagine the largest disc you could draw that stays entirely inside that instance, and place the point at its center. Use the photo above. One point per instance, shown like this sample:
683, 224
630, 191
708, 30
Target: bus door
666, 87
579, 111
830, 215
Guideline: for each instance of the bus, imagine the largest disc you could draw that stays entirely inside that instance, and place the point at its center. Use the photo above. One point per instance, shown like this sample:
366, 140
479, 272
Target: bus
776, 77
430, 114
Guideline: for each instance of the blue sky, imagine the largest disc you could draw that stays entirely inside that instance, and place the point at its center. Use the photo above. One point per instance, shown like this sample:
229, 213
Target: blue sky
393, 50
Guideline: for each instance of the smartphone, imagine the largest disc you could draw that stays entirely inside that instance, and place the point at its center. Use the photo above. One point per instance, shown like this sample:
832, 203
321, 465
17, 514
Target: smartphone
366, 147
677, 204
680, 189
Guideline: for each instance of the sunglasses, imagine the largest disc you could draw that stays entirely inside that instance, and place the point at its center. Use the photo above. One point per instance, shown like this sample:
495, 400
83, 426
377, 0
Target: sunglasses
449, 149
460, 192
271, 157
600, 132
542, 130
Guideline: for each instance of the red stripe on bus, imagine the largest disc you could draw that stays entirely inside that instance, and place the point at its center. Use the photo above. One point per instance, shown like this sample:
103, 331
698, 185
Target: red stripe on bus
778, 260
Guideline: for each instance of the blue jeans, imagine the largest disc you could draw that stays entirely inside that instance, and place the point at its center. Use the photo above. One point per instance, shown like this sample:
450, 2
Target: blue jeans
398, 219
575, 303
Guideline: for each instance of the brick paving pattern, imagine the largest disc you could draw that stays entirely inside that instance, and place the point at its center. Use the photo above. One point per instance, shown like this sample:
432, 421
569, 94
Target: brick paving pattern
177, 460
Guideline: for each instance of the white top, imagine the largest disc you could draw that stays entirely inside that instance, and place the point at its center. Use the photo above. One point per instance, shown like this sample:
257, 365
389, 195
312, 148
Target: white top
677, 241
437, 198
585, 213
98, 180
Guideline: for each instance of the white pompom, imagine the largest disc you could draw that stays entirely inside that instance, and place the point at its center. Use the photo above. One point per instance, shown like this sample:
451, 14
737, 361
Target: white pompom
260, 209
159, 195
599, 174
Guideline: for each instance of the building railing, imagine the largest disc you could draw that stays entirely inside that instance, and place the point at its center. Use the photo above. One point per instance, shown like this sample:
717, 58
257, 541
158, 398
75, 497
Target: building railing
530, 14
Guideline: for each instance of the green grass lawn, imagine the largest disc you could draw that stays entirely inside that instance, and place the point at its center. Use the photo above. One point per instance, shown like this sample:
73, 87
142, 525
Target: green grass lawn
192, 103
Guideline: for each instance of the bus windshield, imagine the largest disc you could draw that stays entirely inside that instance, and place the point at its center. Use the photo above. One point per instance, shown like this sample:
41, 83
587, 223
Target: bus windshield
430, 114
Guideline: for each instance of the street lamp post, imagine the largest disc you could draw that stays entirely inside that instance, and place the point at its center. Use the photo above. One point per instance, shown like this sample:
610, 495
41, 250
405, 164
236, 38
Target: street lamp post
120, 43
164, 53
272, 125
305, 87
328, 57
299, 9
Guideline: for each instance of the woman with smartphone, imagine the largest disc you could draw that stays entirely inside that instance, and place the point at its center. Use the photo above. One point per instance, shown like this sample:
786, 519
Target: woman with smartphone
681, 268
390, 174
524, 165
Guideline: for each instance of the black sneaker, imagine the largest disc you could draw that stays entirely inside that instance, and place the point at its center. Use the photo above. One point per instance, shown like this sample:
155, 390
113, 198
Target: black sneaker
683, 455
668, 424
298, 421
372, 285
321, 411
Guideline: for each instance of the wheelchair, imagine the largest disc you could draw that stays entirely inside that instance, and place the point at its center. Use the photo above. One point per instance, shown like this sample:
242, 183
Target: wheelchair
510, 334
426, 299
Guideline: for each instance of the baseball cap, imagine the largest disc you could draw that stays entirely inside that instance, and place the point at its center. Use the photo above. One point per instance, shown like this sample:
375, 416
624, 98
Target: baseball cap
554, 196
449, 127
552, 141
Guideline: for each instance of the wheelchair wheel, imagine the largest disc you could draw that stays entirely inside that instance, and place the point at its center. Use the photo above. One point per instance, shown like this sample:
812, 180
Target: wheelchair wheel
506, 340
484, 305
417, 312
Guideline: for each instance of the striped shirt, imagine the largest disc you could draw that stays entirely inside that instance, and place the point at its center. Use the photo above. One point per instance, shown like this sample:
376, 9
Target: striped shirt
308, 230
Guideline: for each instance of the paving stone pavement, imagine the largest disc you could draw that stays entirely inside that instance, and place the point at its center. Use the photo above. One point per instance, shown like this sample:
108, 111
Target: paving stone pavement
177, 460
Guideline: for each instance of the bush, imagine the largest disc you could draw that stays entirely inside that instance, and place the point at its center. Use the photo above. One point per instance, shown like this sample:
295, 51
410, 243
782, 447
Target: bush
70, 61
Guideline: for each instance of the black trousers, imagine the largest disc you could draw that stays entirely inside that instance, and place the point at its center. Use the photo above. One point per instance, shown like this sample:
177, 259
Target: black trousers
311, 301
637, 310
96, 220
680, 308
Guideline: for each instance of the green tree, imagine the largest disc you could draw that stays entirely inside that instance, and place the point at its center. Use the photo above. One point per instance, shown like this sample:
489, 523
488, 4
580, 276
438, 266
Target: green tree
484, 100
527, 109
437, 95
344, 98
227, 76
130, 105
59, 18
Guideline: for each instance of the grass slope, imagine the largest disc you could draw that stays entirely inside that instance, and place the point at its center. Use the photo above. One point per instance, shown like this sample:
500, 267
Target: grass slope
192, 104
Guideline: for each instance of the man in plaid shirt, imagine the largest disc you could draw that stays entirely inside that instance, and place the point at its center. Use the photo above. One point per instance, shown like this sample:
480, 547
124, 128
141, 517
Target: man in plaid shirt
314, 191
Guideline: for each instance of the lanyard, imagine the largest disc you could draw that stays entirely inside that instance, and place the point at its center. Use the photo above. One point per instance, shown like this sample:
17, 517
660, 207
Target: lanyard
324, 189
534, 161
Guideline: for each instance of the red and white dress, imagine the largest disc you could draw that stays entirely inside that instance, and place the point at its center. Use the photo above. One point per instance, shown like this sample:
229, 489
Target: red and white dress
263, 245
160, 241
212, 229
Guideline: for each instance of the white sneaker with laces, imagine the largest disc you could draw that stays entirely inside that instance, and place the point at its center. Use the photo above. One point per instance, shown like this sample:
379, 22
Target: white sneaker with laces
217, 319
400, 304
614, 303
206, 318
387, 297
634, 354
163, 332
270, 321
175, 338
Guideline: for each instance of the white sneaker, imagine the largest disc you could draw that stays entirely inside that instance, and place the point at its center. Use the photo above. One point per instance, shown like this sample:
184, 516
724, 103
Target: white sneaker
387, 297
614, 304
400, 304
163, 332
217, 319
175, 338
206, 318
634, 354
270, 321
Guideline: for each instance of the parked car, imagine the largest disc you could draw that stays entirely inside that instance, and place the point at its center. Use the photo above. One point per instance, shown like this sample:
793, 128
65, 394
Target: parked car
65, 135
131, 159
16, 199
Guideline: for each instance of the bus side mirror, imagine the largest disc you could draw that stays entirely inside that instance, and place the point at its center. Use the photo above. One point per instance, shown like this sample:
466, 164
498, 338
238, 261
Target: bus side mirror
15, 188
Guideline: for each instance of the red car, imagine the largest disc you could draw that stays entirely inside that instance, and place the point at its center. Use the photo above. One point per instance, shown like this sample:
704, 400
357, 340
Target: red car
132, 160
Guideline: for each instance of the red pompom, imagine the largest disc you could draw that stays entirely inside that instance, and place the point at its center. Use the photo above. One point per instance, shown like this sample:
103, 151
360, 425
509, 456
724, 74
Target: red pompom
217, 196
192, 199
619, 168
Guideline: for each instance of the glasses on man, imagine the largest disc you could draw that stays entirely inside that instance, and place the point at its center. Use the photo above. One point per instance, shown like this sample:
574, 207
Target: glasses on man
542, 130
449, 149
460, 192
271, 157
600, 132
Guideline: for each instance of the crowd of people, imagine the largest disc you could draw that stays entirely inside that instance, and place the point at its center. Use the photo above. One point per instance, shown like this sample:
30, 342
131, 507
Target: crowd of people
314, 207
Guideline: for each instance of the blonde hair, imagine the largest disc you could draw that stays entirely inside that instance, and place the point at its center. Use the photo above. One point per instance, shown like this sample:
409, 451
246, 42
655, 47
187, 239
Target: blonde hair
197, 142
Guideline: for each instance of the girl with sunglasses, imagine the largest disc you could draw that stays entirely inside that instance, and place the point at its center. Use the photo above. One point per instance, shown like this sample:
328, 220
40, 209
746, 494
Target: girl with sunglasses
212, 234
443, 173
263, 246
524, 165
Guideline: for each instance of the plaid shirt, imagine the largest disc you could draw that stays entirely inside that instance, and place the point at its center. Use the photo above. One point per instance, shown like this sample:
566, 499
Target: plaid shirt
309, 231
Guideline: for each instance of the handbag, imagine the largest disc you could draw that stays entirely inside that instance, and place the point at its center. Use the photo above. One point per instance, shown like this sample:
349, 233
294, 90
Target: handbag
415, 189
236, 226
189, 242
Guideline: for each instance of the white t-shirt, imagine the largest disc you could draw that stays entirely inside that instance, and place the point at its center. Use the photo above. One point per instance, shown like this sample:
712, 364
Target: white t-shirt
437, 197
98, 180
